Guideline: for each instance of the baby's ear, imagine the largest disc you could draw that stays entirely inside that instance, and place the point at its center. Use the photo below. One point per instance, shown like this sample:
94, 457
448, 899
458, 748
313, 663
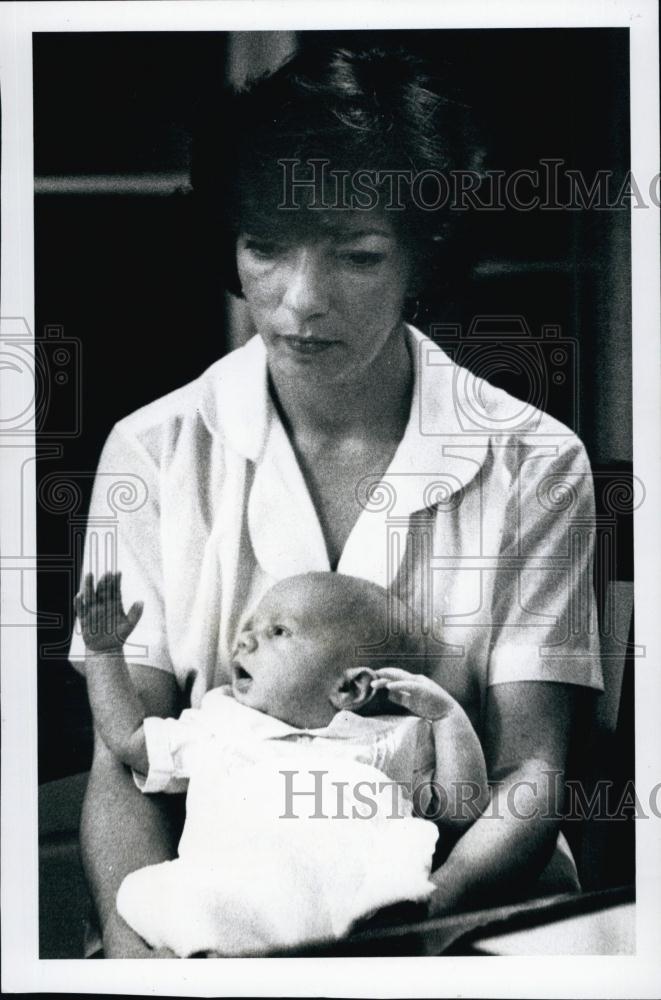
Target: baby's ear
353, 688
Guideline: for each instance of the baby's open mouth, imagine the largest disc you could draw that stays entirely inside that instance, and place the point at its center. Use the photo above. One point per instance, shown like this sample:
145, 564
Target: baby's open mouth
241, 679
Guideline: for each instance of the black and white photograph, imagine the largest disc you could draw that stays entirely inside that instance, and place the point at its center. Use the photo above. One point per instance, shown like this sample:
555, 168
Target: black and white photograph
330, 439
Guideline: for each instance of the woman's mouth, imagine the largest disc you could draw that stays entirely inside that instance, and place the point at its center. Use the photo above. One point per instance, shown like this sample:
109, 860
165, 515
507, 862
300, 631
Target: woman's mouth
305, 345
241, 679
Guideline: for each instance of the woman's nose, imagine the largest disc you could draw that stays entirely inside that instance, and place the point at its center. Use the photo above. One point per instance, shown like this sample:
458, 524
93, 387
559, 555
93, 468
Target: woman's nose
247, 642
307, 283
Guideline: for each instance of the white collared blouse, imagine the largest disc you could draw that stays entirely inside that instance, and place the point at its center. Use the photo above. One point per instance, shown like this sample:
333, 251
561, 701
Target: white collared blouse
483, 523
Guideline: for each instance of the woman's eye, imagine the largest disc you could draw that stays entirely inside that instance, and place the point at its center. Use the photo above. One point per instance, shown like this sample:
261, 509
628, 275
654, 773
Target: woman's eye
363, 259
279, 631
263, 249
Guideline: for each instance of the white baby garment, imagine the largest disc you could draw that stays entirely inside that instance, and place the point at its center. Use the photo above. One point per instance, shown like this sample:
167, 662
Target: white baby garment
290, 836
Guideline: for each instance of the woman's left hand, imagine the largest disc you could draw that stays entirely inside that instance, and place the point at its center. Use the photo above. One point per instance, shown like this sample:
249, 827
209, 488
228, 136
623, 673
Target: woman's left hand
420, 694
501, 855
446, 899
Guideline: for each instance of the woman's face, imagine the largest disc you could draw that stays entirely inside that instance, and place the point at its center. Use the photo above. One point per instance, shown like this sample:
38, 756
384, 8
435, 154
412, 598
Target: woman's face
326, 302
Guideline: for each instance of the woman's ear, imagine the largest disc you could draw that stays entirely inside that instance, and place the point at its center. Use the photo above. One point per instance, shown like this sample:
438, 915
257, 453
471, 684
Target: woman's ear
353, 688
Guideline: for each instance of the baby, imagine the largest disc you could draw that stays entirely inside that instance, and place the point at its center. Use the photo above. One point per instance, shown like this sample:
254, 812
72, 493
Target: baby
311, 778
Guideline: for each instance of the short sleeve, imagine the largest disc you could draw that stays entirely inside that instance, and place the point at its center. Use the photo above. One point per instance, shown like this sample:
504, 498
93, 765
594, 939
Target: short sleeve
123, 535
544, 611
221, 732
171, 745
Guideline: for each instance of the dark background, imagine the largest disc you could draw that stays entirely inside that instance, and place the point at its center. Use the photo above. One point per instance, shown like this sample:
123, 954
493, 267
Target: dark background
127, 308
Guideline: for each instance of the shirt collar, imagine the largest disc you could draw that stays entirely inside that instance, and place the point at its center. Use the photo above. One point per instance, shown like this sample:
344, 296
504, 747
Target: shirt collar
343, 725
439, 454
435, 460
235, 399
236, 403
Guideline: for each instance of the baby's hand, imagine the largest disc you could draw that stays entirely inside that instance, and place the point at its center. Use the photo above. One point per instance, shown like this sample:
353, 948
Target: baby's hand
104, 624
420, 694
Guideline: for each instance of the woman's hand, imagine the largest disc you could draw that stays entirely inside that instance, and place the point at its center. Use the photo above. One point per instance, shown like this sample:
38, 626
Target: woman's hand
421, 695
120, 941
499, 858
103, 621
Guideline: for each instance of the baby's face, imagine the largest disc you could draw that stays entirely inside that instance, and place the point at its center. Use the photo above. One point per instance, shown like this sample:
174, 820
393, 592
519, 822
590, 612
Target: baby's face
290, 653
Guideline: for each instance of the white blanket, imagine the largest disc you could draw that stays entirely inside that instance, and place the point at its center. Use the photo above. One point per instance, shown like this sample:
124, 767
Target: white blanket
249, 879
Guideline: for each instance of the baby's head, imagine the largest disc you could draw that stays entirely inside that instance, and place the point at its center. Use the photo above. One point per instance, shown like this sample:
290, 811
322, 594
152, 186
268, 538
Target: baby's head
299, 656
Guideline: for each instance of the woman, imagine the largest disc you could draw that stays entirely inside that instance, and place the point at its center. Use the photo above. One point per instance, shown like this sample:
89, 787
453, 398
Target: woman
341, 438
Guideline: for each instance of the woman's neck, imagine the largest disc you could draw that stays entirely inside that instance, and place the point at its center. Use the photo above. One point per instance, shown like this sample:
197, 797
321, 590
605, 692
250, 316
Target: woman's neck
375, 404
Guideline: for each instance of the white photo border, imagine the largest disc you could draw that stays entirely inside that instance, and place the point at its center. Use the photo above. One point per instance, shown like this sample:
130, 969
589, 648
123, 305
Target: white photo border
23, 971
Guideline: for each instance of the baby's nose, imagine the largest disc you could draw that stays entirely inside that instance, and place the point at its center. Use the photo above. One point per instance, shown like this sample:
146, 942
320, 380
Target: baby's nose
247, 642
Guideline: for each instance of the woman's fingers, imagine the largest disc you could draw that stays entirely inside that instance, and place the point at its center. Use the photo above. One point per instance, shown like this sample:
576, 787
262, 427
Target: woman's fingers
422, 696
400, 695
416, 693
394, 674
88, 587
399, 687
413, 683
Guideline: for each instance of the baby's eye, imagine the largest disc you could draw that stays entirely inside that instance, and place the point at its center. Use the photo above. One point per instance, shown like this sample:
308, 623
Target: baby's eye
279, 631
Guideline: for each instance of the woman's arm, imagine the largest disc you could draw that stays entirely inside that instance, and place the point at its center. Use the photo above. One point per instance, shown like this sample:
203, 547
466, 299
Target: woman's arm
122, 829
460, 773
527, 732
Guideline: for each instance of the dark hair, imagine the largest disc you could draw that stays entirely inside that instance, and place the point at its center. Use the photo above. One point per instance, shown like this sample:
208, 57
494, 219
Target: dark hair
371, 110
